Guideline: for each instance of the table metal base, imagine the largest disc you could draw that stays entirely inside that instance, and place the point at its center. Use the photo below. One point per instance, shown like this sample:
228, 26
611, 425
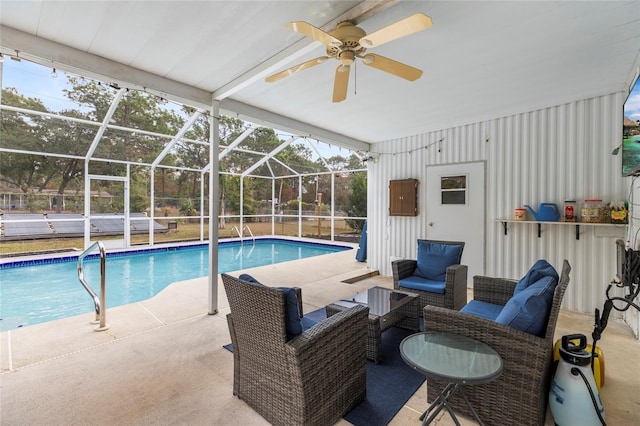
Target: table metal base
442, 401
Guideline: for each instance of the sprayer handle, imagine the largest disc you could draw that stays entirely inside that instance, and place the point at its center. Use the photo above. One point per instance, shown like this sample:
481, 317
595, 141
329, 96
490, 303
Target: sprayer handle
568, 339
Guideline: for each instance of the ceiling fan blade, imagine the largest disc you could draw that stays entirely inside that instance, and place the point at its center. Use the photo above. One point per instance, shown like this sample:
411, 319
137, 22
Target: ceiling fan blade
315, 33
300, 67
404, 27
392, 67
341, 82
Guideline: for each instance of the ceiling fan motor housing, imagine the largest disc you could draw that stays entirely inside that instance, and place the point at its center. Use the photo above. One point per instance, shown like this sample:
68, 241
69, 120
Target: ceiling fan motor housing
350, 36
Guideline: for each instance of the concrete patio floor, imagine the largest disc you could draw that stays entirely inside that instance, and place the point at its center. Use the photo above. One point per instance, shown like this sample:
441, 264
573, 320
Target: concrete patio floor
162, 360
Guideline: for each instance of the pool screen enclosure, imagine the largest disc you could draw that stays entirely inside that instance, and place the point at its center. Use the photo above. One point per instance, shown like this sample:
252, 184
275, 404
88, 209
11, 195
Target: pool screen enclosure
107, 157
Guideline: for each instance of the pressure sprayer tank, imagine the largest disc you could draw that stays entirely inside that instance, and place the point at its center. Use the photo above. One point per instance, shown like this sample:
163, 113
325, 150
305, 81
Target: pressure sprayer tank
574, 397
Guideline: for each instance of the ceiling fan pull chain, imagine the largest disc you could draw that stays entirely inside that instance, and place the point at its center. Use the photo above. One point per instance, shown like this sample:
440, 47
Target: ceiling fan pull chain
355, 77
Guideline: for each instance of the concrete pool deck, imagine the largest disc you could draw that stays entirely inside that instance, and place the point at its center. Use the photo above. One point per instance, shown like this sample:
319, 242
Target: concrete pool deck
162, 361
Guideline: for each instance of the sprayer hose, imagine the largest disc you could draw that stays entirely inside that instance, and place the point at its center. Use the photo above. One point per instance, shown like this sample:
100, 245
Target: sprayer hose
576, 371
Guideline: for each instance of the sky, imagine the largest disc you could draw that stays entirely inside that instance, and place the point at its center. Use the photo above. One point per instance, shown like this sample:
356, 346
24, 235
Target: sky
632, 105
35, 81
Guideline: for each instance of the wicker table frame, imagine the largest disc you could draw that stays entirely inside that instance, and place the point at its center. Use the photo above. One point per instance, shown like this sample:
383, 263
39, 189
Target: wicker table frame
406, 316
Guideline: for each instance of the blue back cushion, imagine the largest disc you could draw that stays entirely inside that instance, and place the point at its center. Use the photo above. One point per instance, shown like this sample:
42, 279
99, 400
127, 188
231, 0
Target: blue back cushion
528, 310
435, 258
248, 278
292, 312
540, 269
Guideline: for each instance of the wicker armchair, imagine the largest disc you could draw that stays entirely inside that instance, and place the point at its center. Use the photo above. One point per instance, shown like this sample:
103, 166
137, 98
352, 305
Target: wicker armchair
521, 393
312, 379
455, 294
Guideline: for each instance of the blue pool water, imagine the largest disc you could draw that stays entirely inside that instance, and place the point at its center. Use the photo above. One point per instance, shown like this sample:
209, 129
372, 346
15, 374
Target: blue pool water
33, 292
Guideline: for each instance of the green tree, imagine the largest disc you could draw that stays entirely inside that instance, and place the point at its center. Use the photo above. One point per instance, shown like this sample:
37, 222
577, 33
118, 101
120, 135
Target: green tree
21, 132
357, 201
187, 208
154, 123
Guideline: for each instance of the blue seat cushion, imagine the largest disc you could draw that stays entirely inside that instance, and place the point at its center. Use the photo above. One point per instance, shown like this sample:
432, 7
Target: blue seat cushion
294, 324
416, 283
540, 269
528, 310
482, 309
307, 323
435, 258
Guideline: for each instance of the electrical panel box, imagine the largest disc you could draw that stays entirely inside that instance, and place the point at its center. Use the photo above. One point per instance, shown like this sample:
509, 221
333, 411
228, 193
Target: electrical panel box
403, 197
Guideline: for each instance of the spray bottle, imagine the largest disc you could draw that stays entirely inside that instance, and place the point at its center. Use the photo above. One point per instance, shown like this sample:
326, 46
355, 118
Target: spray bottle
574, 397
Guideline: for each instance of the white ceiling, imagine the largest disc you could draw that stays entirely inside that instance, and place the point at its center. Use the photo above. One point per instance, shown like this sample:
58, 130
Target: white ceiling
481, 60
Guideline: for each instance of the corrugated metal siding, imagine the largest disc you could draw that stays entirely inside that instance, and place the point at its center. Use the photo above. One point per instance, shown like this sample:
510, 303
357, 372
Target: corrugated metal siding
549, 155
632, 316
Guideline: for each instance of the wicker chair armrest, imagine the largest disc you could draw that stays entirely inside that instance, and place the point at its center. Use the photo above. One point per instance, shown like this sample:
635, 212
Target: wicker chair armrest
493, 290
328, 364
456, 275
401, 269
338, 332
331, 354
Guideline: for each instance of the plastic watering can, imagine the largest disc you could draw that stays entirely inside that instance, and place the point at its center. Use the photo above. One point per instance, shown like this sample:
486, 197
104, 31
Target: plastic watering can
547, 212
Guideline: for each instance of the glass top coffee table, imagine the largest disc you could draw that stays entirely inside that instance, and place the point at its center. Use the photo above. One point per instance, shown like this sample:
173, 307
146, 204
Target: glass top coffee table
452, 358
387, 307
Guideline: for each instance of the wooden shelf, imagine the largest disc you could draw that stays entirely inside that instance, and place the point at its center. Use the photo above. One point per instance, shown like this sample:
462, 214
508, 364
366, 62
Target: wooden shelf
559, 223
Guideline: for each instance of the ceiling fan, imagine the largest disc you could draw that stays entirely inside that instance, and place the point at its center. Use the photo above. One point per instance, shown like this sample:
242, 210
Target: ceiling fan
348, 42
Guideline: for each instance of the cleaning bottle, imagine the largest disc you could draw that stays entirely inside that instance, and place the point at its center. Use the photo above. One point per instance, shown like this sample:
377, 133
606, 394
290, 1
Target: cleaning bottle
574, 397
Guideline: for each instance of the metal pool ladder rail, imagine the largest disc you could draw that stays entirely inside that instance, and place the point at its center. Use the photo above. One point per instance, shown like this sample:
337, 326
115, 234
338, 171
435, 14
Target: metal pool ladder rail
235, 228
241, 234
100, 303
250, 233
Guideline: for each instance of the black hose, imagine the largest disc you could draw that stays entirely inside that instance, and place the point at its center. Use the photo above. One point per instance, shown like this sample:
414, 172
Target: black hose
575, 371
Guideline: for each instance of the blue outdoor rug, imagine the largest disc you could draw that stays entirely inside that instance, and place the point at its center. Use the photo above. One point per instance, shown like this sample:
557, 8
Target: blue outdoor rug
390, 383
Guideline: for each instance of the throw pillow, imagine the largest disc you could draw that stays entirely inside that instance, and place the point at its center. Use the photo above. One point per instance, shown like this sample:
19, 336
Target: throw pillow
292, 313
435, 258
540, 269
248, 278
528, 310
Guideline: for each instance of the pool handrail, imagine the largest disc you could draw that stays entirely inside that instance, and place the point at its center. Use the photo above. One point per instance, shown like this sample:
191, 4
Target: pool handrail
250, 233
99, 303
241, 234
237, 232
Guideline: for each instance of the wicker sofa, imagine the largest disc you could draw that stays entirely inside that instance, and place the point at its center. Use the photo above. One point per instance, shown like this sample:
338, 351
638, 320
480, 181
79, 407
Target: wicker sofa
520, 394
312, 379
455, 282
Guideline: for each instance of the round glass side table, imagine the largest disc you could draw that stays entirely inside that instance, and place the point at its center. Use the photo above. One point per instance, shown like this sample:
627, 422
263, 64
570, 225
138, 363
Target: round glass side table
455, 359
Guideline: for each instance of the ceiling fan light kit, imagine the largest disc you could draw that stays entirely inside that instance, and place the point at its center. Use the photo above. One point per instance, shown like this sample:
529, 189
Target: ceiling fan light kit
348, 42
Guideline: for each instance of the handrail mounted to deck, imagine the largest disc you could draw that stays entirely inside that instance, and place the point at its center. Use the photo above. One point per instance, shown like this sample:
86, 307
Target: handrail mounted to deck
241, 234
100, 303
250, 233
235, 228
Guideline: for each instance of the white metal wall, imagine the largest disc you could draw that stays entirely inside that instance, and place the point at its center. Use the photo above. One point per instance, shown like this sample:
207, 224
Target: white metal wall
632, 316
548, 155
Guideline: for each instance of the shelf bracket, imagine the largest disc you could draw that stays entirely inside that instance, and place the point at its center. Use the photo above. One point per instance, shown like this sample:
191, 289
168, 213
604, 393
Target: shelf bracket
504, 224
539, 230
577, 232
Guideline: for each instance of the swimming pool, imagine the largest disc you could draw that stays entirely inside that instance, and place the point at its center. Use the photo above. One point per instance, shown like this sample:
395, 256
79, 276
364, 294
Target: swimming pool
36, 291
